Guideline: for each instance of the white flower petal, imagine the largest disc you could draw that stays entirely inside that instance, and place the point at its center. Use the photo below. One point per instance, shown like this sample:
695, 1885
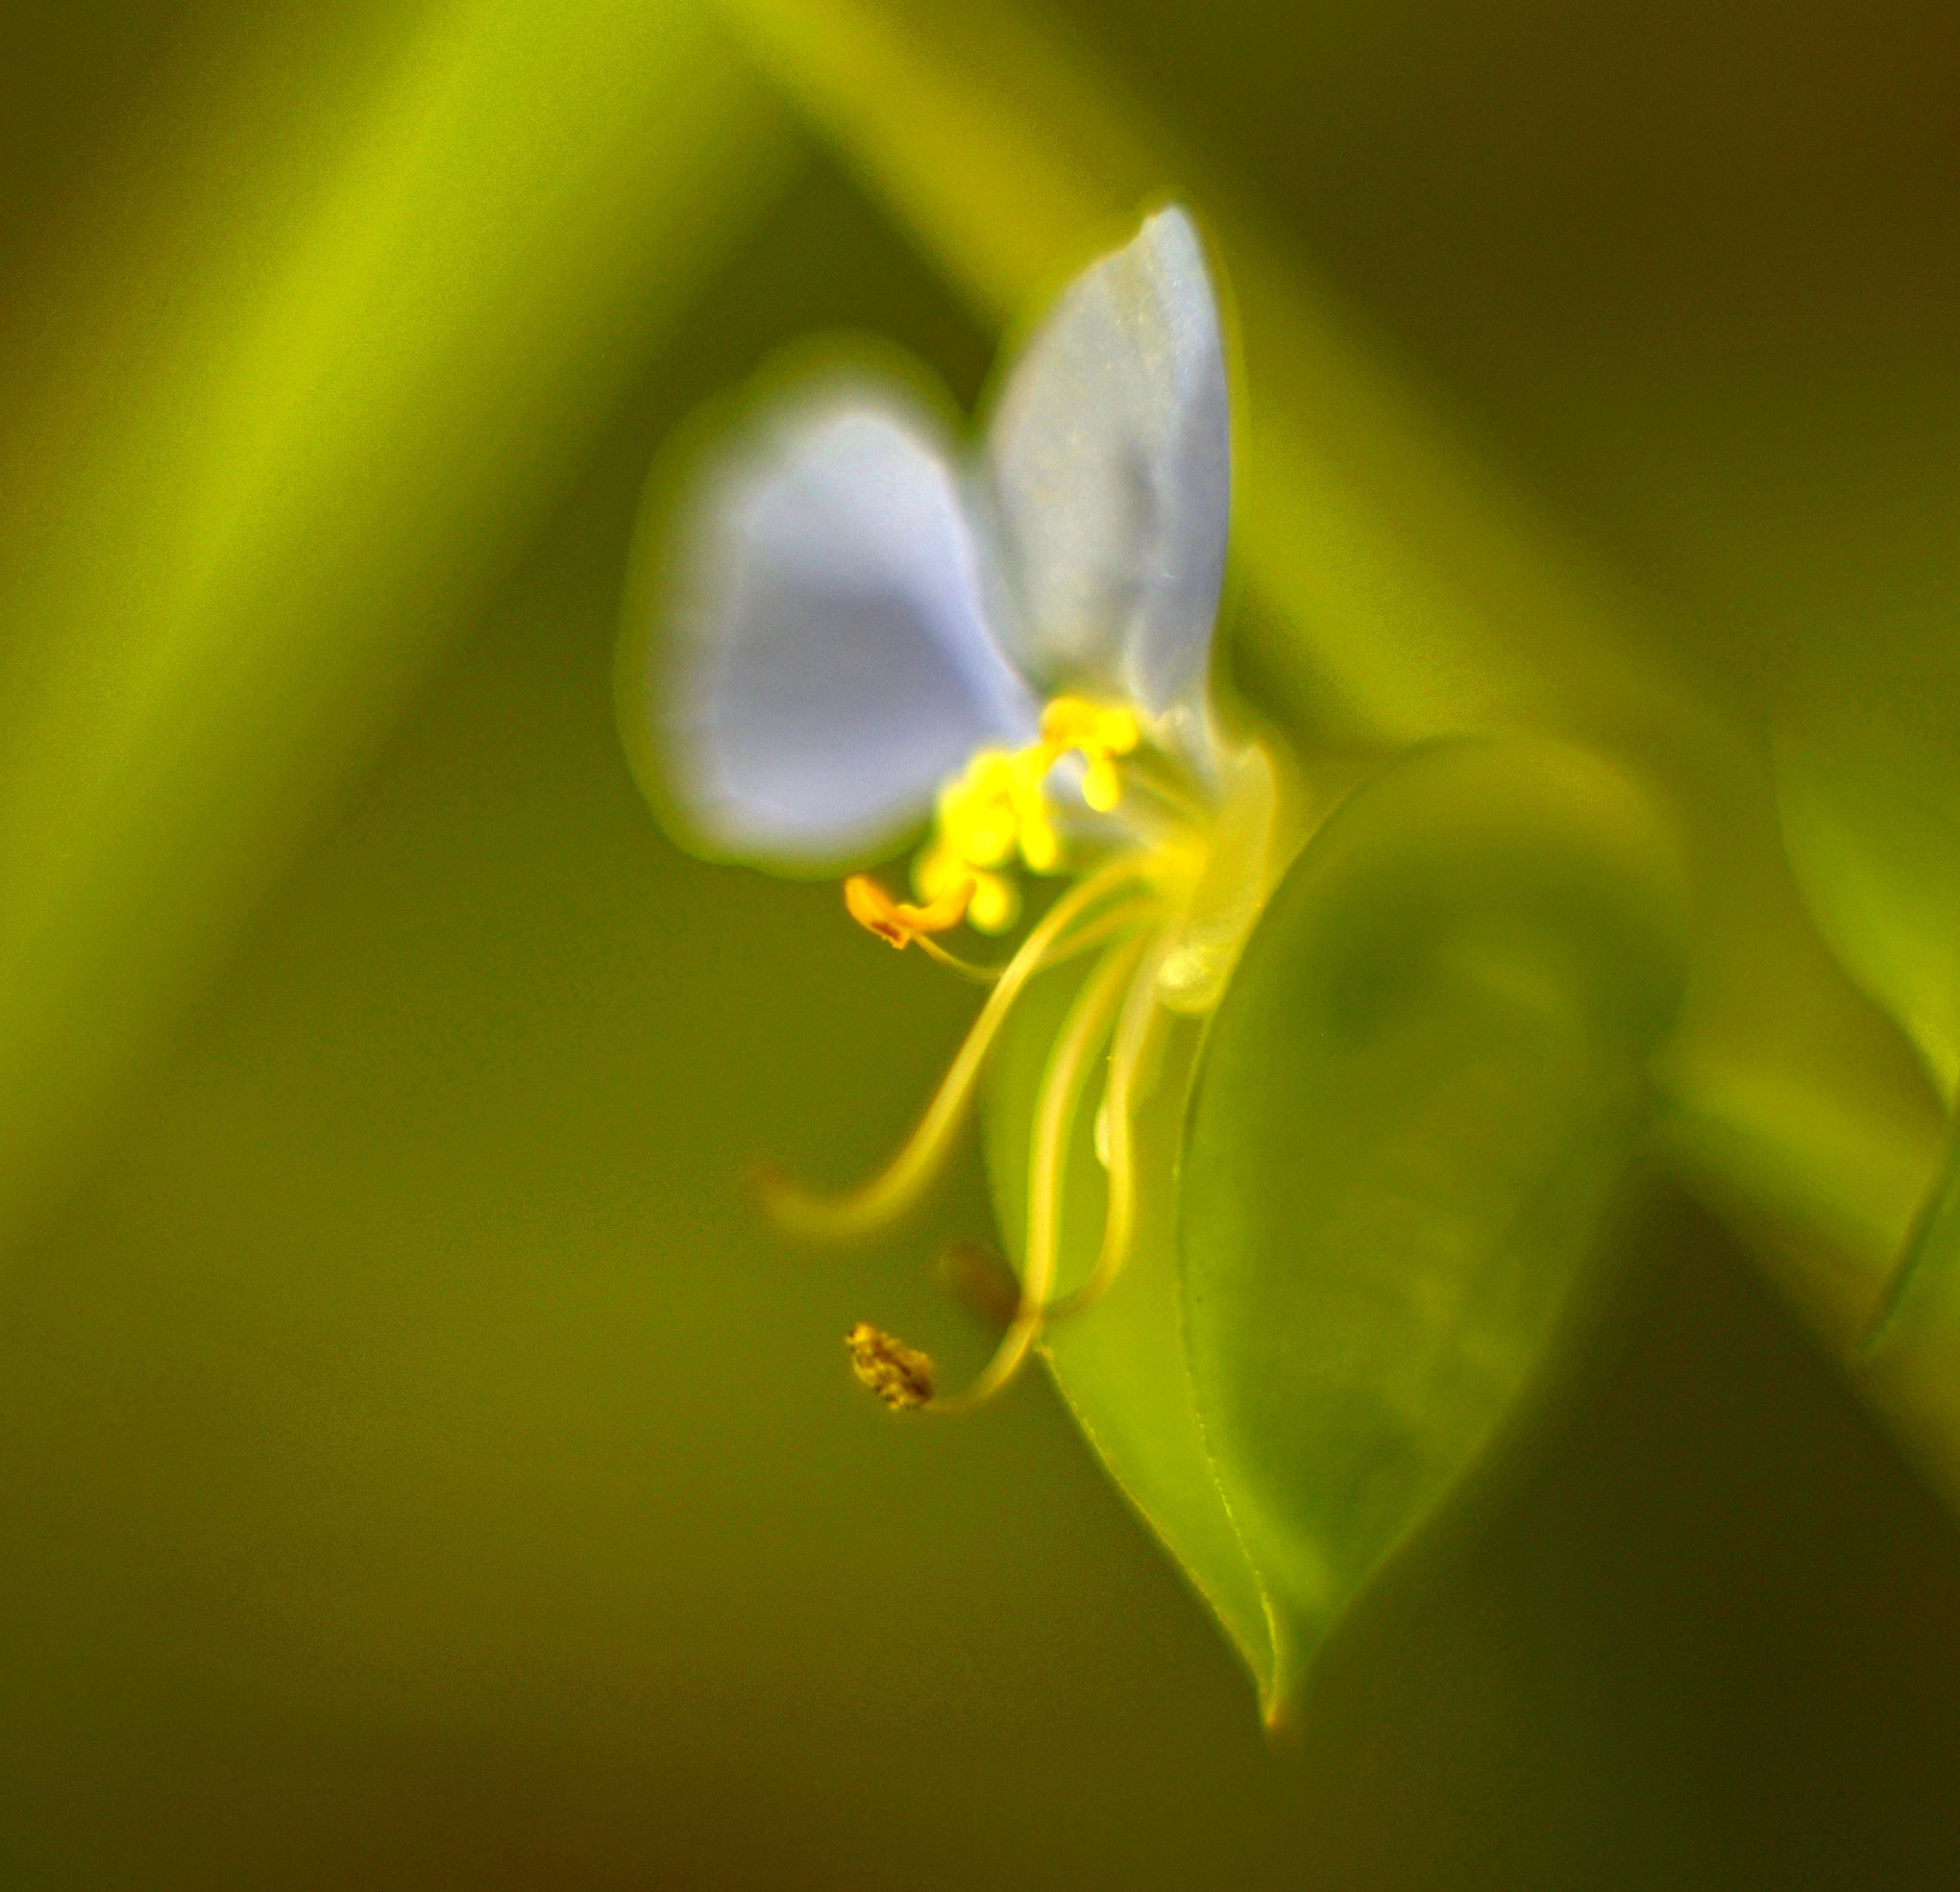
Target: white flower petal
831, 663
1111, 475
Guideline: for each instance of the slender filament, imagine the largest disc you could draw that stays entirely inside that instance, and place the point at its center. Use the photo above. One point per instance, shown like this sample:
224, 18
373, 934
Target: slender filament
893, 1191
1140, 1016
1090, 933
982, 976
1089, 1021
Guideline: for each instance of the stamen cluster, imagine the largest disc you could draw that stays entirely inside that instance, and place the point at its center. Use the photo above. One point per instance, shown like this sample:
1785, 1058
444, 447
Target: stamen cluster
1148, 861
1000, 807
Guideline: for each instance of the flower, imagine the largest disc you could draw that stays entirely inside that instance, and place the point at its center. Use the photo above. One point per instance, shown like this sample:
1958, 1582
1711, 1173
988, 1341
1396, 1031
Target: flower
869, 631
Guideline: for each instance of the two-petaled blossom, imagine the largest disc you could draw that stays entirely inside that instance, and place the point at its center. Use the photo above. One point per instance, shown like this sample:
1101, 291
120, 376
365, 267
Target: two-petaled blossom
866, 631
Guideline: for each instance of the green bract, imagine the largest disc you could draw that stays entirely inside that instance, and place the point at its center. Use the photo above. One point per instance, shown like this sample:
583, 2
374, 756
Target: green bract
1380, 1174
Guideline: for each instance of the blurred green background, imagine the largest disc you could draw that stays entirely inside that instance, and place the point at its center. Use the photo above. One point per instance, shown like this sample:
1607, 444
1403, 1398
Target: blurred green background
423, 1464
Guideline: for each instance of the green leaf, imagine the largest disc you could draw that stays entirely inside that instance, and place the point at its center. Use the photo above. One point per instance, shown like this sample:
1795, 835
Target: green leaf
1875, 843
1121, 1364
1416, 1106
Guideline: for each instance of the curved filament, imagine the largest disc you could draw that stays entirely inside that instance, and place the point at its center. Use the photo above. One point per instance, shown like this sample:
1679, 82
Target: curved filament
1091, 933
1089, 1021
901, 1183
967, 969
1140, 1016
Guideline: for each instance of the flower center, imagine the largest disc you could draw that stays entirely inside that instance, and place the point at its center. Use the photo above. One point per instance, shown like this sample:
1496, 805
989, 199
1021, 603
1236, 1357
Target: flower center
1000, 807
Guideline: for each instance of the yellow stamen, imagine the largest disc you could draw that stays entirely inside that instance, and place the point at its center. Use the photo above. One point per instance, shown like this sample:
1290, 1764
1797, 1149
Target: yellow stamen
979, 812
894, 1191
1040, 847
1098, 734
994, 904
899, 922
998, 806
1062, 1086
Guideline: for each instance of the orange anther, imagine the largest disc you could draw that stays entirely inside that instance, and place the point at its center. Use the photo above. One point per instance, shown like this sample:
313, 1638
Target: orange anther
899, 922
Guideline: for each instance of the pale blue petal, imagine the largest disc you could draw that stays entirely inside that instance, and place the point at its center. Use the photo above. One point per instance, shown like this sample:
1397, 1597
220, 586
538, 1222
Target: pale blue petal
1109, 461
831, 661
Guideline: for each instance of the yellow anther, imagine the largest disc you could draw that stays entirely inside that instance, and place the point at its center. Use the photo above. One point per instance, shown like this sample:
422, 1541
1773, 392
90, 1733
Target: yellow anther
1098, 734
1040, 845
979, 812
997, 905
899, 922
993, 904
1101, 786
